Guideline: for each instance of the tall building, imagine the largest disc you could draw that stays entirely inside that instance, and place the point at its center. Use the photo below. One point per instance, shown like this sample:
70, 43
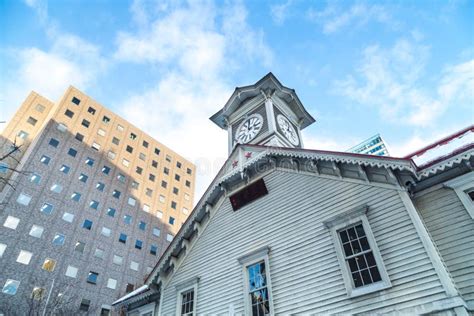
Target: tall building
286, 230
90, 207
372, 146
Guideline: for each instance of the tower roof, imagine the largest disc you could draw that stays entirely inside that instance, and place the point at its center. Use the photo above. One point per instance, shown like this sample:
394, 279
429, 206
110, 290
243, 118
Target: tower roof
269, 84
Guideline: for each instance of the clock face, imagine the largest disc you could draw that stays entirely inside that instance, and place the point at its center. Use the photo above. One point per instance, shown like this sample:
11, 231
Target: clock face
288, 130
249, 129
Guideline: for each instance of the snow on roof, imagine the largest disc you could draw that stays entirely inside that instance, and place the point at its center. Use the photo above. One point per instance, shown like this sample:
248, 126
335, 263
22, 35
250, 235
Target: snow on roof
444, 148
139, 290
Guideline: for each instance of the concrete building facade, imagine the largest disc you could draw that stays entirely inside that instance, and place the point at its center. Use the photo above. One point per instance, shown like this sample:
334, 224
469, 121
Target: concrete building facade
374, 145
92, 204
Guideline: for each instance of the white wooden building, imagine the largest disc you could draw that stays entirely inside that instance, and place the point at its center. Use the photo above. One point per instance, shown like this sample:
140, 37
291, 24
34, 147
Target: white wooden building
287, 230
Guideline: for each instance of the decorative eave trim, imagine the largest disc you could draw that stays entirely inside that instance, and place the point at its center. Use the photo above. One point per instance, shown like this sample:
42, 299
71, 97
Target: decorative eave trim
443, 165
147, 291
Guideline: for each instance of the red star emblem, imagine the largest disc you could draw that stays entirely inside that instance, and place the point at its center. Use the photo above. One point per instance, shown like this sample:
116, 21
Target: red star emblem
234, 163
248, 154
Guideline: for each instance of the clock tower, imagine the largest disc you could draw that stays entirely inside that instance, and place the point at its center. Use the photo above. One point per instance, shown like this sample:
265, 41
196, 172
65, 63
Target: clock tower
265, 113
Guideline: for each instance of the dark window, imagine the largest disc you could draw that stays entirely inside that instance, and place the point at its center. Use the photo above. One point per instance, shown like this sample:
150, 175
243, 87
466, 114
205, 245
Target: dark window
80, 246
153, 250
92, 277
359, 256
115, 141
85, 123
79, 137
54, 142
104, 312
84, 302
248, 194
171, 220
65, 169
139, 170
91, 110
142, 225
154, 164
72, 152
105, 119
89, 161
129, 149
83, 178
133, 136
111, 212
145, 144
76, 196
471, 195
87, 224
175, 190
105, 169
177, 177
168, 158
173, 205
189, 171
149, 192
69, 113
178, 164
187, 303
100, 186
157, 151
164, 184
116, 194
166, 170
152, 177
188, 184
138, 244
129, 288
76, 101
123, 238
94, 205
45, 159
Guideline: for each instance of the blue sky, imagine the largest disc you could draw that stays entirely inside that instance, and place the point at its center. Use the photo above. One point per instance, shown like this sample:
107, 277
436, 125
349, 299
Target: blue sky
404, 69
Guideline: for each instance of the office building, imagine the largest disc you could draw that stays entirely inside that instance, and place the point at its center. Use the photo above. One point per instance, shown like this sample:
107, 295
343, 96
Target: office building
90, 207
372, 146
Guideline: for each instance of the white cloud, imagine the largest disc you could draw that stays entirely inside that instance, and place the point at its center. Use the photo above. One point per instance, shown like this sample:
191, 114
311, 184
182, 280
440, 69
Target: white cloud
279, 12
334, 18
197, 43
389, 80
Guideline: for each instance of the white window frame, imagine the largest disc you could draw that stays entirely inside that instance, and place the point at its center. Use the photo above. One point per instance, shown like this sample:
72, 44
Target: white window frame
461, 185
146, 309
249, 259
190, 284
341, 221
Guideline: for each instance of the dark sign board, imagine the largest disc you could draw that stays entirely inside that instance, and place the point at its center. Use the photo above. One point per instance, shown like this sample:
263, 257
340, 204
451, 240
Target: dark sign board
248, 194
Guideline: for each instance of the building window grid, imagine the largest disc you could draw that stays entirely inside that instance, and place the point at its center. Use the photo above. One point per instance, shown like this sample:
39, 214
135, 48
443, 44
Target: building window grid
187, 302
258, 289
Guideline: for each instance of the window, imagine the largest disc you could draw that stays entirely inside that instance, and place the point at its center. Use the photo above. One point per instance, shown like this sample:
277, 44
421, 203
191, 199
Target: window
100, 186
85, 123
10, 287
65, 169
168, 158
58, 239
90, 162
138, 244
32, 121
54, 142
11, 222
95, 146
145, 144
68, 217
134, 265
154, 164
152, 177
166, 170
120, 128
79, 137
169, 237
57, 188
358, 255
132, 201
85, 304
188, 184
149, 192
185, 211
24, 257
177, 177
105, 119
99, 253
45, 159
118, 260
175, 190
23, 199
123, 238
135, 184
171, 220
80, 246
164, 184
115, 141
127, 219
116, 194
125, 162
139, 170
105, 170
72, 152
71, 271
40, 108
69, 113
187, 197
133, 136
94, 204
173, 205
112, 283
76, 196
106, 232
91, 110
153, 250
257, 283
129, 149
3, 167
76, 101
62, 127
87, 224
464, 188
186, 300
189, 171
83, 178
38, 293
23, 134
47, 208
142, 156
156, 232
142, 225
111, 212
36, 231
49, 265
159, 214
121, 178
162, 198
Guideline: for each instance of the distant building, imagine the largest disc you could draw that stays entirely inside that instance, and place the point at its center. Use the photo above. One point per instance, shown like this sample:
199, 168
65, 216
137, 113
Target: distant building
96, 202
372, 146
286, 230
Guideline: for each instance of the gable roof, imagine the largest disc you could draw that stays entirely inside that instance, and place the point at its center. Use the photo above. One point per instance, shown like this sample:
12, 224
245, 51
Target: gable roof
268, 82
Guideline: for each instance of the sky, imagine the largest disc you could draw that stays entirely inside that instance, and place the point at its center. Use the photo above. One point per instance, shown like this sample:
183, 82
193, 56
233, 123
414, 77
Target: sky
404, 69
